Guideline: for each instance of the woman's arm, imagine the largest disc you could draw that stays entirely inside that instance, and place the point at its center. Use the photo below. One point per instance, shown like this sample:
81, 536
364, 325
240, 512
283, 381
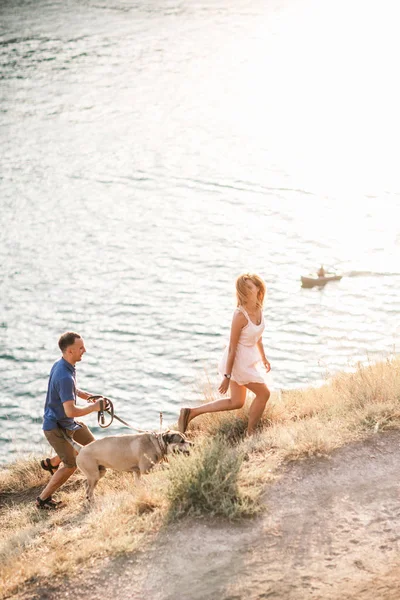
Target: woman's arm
264, 359
238, 322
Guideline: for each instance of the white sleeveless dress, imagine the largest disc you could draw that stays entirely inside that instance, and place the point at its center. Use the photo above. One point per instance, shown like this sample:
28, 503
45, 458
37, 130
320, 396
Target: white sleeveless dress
248, 366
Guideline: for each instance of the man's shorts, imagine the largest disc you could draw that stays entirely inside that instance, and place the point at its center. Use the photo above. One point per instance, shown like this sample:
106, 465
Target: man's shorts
65, 451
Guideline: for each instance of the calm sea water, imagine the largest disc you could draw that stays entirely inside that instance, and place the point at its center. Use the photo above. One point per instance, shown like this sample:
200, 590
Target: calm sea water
150, 152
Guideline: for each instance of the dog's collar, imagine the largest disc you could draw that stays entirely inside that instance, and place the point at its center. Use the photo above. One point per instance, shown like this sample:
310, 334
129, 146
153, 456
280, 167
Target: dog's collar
161, 443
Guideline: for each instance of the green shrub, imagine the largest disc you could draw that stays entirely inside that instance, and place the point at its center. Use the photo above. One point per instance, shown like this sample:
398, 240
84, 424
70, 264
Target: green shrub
232, 430
206, 482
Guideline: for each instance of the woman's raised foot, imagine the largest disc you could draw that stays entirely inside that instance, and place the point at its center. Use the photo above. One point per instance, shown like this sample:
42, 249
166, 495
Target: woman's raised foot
183, 421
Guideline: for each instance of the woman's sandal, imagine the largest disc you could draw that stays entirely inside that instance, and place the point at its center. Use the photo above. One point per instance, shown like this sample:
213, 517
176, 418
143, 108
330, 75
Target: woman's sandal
183, 421
47, 466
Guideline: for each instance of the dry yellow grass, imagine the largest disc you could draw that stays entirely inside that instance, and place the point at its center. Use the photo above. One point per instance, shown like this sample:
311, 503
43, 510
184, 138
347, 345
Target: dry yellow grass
36, 544
33, 545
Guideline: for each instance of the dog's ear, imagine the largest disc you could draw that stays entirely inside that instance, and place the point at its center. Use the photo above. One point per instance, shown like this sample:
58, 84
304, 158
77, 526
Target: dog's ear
165, 436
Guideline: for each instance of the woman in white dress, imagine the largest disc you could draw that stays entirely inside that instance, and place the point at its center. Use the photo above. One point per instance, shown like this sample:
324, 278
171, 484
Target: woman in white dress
244, 365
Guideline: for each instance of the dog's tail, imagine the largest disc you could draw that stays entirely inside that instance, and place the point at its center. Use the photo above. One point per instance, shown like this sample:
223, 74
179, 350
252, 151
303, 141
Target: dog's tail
70, 440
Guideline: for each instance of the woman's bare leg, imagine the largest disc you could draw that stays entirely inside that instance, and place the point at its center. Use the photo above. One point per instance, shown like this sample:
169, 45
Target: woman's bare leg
258, 405
235, 401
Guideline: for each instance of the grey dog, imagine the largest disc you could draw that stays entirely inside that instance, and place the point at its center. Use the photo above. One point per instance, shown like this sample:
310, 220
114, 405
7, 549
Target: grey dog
136, 453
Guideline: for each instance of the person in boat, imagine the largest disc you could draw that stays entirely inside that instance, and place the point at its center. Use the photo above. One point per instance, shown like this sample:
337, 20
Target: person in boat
243, 365
321, 271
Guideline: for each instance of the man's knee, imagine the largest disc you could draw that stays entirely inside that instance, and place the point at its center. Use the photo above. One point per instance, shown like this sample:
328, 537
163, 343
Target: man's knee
64, 450
69, 467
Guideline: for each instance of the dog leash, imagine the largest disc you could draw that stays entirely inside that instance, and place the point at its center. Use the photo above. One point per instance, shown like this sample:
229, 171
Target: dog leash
161, 442
157, 436
108, 407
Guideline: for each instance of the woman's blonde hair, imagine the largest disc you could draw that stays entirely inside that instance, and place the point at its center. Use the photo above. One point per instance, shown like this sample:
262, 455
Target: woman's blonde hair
242, 289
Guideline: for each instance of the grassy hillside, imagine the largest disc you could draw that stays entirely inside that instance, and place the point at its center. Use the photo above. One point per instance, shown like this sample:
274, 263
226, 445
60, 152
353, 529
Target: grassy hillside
225, 476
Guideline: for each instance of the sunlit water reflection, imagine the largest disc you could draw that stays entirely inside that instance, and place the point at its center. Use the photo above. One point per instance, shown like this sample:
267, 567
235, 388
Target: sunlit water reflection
151, 153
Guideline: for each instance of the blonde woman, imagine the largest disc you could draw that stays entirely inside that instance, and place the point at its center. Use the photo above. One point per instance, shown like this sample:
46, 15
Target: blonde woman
244, 365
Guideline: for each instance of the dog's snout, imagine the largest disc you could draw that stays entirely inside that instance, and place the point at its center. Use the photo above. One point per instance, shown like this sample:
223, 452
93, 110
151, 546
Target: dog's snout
188, 447
183, 448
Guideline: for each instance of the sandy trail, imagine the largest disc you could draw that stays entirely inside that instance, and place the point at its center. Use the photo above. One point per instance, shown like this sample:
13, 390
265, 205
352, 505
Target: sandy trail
331, 531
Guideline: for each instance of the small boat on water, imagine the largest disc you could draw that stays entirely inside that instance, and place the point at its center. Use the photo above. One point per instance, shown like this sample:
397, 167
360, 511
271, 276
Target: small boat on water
313, 279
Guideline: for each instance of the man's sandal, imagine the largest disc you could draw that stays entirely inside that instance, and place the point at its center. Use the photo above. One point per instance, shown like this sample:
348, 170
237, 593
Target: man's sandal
48, 504
47, 466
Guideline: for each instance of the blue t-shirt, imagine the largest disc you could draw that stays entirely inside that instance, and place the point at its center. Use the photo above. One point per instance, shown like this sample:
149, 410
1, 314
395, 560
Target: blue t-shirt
62, 387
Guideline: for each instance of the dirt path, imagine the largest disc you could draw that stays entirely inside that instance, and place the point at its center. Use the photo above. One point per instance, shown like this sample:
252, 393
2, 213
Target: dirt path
331, 531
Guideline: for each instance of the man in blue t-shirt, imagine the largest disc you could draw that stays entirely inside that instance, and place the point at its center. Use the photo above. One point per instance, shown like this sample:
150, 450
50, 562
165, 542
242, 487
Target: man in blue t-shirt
59, 412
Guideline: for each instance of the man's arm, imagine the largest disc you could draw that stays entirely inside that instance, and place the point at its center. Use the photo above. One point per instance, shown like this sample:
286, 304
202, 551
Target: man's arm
83, 395
67, 394
71, 410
